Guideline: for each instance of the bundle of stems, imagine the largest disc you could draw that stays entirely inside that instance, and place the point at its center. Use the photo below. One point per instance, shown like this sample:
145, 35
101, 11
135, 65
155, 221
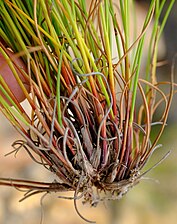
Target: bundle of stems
85, 124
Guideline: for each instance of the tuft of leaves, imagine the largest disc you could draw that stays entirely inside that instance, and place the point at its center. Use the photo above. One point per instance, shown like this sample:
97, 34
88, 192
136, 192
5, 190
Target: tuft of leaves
85, 124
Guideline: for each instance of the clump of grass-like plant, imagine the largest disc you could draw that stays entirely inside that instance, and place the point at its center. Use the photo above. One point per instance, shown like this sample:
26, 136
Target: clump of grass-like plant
85, 124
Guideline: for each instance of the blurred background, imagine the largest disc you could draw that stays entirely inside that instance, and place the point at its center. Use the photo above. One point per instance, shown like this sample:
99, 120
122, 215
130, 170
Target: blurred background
152, 201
